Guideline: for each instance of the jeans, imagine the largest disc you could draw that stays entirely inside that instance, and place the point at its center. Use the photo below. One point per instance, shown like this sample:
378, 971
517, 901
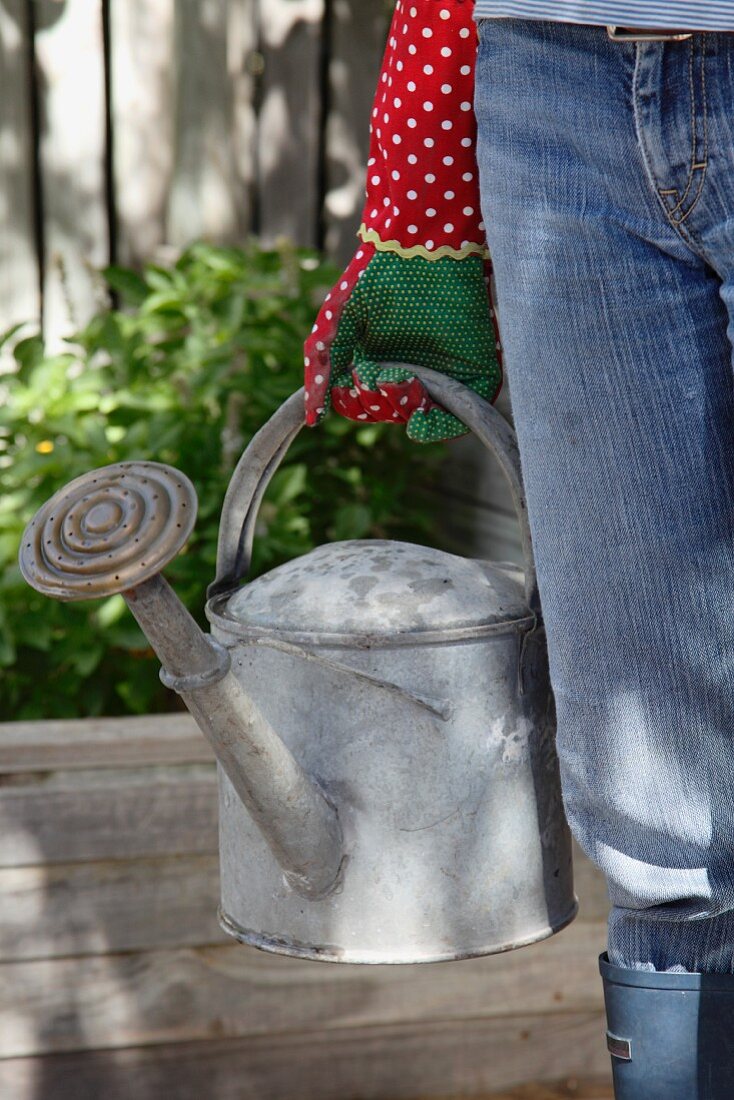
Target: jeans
607, 177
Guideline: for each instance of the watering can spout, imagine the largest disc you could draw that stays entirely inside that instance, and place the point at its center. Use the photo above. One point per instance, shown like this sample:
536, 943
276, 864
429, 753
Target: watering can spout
112, 531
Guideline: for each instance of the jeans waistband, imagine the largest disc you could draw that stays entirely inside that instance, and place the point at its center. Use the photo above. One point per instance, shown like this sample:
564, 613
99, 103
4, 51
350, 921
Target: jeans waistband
652, 34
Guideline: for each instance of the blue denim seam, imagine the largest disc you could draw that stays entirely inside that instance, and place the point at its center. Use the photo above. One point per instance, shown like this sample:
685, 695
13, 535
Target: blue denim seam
686, 234
695, 165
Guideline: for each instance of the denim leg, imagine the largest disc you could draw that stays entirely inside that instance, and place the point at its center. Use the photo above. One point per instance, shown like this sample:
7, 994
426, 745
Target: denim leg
619, 369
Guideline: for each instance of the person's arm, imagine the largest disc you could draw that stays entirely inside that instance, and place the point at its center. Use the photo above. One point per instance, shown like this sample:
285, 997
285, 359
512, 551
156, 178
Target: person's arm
417, 288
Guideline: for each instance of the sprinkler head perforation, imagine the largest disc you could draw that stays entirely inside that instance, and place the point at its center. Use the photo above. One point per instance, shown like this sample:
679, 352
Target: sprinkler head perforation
109, 532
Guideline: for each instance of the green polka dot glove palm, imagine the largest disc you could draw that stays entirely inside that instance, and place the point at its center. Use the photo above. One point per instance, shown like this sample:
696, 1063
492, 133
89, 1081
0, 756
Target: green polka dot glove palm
417, 289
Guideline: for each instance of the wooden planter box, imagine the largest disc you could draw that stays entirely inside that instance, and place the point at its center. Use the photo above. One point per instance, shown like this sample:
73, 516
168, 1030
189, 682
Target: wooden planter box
116, 981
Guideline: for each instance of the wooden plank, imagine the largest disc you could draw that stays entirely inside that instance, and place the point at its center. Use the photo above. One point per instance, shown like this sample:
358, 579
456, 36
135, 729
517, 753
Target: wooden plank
19, 274
404, 1062
133, 999
132, 905
86, 908
154, 740
289, 122
72, 744
70, 62
203, 200
476, 470
358, 35
590, 886
108, 815
475, 530
95, 908
480, 516
244, 63
142, 110
569, 1089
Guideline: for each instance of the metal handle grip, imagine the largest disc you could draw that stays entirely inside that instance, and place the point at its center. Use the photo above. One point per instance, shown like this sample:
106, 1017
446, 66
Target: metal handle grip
268, 448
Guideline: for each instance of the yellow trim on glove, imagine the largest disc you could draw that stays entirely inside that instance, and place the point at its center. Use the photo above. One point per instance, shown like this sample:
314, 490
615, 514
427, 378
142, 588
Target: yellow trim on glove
369, 236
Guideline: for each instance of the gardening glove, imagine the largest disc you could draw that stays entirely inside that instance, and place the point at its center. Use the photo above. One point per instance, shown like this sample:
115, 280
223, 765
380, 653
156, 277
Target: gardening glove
418, 287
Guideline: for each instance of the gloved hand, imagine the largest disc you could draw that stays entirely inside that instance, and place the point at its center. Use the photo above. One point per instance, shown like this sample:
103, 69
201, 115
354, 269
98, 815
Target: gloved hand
417, 289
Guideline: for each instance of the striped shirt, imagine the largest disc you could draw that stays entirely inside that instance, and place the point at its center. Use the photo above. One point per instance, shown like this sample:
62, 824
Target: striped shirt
714, 15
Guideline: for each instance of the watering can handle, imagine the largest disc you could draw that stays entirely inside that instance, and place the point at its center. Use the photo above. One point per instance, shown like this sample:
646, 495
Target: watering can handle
268, 447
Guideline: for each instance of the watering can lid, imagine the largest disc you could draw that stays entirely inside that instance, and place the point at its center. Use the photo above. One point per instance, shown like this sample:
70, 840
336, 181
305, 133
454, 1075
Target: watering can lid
380, 587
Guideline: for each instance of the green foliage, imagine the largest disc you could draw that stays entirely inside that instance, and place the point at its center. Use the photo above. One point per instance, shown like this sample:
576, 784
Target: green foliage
203, 352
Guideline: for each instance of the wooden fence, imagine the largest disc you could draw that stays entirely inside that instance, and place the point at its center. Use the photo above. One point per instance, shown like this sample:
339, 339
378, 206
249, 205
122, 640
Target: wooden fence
129, 125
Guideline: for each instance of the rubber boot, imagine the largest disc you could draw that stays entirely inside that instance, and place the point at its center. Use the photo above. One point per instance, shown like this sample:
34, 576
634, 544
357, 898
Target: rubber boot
671, 1036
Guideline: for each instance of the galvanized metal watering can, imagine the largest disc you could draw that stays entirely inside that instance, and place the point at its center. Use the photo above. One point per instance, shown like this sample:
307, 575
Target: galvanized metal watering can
381, 712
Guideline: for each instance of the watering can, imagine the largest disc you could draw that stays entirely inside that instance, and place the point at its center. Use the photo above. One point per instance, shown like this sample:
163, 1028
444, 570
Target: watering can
381, 713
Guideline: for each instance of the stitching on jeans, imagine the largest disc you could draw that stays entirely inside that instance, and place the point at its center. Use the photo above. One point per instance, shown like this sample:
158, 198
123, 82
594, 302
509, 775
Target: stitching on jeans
696, 165
704, 119
683, 231
692, 101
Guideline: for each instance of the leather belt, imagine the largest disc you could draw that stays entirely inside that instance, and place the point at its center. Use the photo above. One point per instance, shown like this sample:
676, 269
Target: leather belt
648, 34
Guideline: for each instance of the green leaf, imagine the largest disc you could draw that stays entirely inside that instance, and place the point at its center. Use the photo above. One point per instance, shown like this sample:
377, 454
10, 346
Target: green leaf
167, 300
7, 642
29, 352
111, 611
204, 353
127, 283
85, 661
288, 483
352, 521
9, 333
158, 278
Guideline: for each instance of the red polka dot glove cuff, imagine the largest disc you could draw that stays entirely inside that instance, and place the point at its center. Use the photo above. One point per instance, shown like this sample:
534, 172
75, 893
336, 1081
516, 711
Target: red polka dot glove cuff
422, 190
417, 289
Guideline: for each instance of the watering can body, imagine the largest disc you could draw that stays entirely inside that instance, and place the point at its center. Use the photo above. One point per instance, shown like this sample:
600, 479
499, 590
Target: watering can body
384, 724
414, 720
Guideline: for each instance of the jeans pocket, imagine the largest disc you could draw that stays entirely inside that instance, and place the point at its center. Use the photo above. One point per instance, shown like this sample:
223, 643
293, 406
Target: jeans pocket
482, 27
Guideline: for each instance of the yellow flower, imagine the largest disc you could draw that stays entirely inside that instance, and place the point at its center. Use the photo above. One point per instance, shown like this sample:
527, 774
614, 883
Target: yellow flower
44, 447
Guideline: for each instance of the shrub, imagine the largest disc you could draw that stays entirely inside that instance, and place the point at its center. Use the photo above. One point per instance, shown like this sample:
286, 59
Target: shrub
202, 353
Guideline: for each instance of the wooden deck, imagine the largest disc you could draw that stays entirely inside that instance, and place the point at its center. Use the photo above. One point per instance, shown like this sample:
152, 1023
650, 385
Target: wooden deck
571, 1089
116, 980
